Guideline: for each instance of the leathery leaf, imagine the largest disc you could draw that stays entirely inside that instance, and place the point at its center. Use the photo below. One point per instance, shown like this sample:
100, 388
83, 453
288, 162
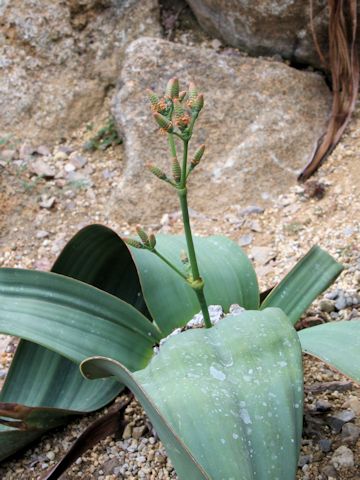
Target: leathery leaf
228, 274
337, 344
226, 401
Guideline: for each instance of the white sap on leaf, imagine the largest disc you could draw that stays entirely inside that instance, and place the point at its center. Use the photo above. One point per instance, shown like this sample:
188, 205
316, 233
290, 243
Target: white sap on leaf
218, 374
235, 436
245, 417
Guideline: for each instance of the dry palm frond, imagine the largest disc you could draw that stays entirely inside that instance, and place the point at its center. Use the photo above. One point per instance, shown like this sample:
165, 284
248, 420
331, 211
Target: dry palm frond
344, 69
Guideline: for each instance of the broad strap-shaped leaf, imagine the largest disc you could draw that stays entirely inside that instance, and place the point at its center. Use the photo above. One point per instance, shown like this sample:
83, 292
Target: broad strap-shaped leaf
228, 273
98, 256
313, 274
233, 394
337, 344
73, 318
44, 380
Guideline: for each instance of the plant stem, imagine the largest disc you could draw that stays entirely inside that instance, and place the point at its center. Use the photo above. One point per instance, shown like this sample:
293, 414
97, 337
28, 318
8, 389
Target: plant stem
197, 282
199, 290
165, 260
172, 144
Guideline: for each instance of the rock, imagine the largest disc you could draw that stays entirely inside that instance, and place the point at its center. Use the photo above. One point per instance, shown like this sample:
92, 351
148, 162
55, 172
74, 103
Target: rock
50, 455
43, 150
47, 202
350, 433
267, 27
42, 234
60, 156
127, 433
255, 227
251, 209
325, 445
342, 457
245, 240
58, 60
262, 255
7, 155
42, 169
77, 160
322, 405
338, 419
259, 138
138, 432
26, 149
327, 305
341, 302
69, 167
354, 404
330, 473
304, 460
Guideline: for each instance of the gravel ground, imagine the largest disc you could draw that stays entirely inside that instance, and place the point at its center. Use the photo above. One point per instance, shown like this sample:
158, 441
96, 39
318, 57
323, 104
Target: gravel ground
40, 215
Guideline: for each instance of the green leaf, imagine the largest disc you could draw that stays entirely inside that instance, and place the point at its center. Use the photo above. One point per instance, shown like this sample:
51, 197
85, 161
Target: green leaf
73, 318
313, 274
41, 378
229, 278
337, 344
231, 394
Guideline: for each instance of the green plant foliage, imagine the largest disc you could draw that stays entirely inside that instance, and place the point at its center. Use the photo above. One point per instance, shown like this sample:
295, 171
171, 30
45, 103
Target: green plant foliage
105, 137
243, 378
337, 344
313, 274
229, 278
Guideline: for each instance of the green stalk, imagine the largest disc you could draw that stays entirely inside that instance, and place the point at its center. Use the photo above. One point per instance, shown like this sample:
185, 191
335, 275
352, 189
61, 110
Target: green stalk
165, 260
197, 283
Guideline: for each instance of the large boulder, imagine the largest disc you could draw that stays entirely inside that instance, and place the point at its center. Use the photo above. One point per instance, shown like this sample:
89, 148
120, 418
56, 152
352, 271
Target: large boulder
59, 59
267, 27
261, 122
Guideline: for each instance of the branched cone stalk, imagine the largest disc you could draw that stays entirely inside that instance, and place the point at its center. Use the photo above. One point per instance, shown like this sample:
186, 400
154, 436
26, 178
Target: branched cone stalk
178, 120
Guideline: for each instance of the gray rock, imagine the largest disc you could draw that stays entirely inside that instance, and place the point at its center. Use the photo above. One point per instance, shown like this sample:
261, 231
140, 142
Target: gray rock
322, 405
245, 240
330, 473
42, 169
262, 255
43, 150
342, 457
260, 124
304, 460
325, 445
266, 27
338, 419
333, 295
58, 60
251, 209
341, 302
42, 234
350, 433
77, 160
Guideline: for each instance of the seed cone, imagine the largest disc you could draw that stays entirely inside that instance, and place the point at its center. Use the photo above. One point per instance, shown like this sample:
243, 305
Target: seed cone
172, 88
143, 235
133, 243
163, 122
157, 172
176, 169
